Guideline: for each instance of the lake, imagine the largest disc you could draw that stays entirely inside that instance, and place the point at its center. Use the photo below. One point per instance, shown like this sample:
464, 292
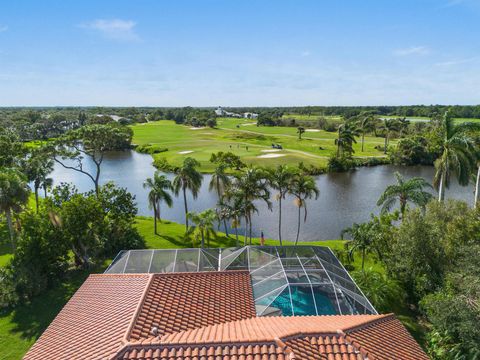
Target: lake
345, 198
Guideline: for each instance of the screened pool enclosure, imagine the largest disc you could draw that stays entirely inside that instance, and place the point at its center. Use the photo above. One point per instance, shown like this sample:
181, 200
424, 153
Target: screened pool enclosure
286, 280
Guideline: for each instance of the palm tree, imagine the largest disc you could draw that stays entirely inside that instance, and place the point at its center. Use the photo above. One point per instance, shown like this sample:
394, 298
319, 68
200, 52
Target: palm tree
477, 187
405, 191
346, 138
219, 182
250, 185
187, 178
46, 184
232, 205
366, 124
303, 188
300, 131
389, 126
14, 193
280, 179
403, 124
204, 225
37, 168
159, 187
459, 154
362, 239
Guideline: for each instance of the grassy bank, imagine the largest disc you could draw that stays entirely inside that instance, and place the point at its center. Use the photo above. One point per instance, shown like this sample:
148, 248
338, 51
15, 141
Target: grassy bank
242, 137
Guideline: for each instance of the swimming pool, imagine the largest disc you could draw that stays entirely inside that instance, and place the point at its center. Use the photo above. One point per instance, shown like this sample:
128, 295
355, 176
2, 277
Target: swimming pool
303, 302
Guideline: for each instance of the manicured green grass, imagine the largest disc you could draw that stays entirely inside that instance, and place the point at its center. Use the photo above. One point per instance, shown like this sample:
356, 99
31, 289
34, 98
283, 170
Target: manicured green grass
312, 117
247, 141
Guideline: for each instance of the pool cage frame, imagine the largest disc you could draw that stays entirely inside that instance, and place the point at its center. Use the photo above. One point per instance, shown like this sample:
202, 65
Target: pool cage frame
278, 274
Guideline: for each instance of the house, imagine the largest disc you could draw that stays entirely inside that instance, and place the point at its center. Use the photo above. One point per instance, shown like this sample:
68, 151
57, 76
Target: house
249, 115
220, 112
195, 304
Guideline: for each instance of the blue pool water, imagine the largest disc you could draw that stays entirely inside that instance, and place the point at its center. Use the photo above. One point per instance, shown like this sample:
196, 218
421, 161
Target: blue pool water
303, 303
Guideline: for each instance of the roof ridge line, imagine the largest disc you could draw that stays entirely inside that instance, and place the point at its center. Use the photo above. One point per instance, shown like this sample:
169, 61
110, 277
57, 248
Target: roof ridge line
126, 337
285, 348
381, 318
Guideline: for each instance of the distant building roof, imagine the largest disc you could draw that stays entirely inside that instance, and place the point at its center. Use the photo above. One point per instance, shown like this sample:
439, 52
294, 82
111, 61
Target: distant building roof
206, 316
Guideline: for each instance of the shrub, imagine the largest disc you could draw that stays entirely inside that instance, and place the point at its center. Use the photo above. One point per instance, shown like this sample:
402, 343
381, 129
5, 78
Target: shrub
384, 293
40, 260
340, 164
150, 149
163, 165
412, 151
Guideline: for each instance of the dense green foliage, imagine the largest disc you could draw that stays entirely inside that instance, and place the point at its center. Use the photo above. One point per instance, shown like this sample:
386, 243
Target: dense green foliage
431, 258
69, 230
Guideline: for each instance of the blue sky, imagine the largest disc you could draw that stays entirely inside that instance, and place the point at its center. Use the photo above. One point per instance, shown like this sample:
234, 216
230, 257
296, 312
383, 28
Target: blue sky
239, 52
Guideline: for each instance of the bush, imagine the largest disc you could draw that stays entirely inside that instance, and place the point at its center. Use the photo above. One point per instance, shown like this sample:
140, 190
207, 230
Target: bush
40, 260
412, 151
340, 164
163, 165
150, 149
384, 293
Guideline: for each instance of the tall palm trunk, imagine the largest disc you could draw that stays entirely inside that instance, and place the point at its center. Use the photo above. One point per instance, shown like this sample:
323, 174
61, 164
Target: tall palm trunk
280, 220
298, 224
225, 226
155, 219
477, 188
250, 231
186, 207
236, 234
8, 215
246, 229
363, 139
441, 187
203, 240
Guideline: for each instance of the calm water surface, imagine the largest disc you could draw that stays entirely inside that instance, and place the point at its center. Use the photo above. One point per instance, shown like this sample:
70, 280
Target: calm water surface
345, 198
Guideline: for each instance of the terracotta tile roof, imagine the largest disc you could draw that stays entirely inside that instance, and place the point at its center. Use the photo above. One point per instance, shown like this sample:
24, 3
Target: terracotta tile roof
94, 321
207, 316
323, 347
350, 337
182, 301
213, 352
109, 310
386, 334
268, 328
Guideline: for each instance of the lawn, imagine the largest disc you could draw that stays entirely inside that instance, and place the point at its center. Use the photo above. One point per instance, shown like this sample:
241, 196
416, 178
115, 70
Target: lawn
245, 139
312, 117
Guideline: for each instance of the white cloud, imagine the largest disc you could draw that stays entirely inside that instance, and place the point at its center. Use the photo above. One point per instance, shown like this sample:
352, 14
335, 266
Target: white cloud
456, 61
115, 29
413, 50
3, 28
305, 53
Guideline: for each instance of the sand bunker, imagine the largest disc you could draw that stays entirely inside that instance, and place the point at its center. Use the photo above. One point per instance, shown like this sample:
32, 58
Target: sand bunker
270, 156
271, 150
185, 152
197, 128
249, 124
312, 130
